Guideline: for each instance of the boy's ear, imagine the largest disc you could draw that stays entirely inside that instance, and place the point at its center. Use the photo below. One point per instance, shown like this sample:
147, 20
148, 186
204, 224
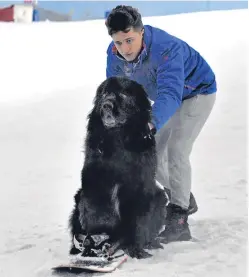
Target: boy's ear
142, 31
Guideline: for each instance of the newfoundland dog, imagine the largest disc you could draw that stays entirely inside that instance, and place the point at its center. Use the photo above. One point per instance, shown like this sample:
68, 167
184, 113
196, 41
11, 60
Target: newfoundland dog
119, 195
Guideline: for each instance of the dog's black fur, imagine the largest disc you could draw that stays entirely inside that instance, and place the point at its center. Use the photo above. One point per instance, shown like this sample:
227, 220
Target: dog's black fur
118, 194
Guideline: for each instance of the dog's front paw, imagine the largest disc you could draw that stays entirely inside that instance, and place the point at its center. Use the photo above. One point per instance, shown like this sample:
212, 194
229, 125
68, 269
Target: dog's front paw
74, 251
139, 253
155, 244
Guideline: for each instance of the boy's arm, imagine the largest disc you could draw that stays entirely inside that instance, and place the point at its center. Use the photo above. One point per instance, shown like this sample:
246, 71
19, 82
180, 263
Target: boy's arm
170, 84
111, 69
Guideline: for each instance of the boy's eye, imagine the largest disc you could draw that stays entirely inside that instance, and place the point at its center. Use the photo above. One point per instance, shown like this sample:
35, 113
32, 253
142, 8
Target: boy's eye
118, 43
129, 41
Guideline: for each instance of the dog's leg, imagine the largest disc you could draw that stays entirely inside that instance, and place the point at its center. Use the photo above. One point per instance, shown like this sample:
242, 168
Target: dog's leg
146, 219
157, 222
136, 235
75, 225
134, 229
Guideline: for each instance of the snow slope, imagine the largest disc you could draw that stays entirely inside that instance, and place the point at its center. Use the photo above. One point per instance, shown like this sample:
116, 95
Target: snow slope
49, 74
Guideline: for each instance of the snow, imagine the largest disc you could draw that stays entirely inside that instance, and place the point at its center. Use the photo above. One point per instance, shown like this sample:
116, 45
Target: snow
49, 74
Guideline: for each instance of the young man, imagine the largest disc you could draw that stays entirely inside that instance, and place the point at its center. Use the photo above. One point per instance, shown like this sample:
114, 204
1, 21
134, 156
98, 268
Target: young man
182, 86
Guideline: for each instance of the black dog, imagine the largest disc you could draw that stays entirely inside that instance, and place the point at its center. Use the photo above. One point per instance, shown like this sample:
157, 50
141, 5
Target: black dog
119, 195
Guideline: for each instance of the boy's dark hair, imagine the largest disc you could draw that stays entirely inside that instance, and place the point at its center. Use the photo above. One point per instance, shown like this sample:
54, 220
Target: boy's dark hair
123, 18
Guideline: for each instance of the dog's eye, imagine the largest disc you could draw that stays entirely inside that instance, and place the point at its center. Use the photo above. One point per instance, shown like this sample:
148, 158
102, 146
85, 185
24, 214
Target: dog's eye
124, 96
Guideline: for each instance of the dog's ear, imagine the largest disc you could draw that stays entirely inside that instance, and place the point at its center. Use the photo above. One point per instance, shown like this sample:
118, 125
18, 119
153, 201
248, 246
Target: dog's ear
77, 196
143, 104
94, 119
100, 89
143, 99
96, 100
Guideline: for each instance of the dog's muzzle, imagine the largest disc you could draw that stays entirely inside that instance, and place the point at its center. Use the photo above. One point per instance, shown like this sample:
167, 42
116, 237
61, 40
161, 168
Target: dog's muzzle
107, 114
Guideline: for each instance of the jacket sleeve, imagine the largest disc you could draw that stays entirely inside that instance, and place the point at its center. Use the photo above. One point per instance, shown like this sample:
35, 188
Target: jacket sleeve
170, 84
111, 69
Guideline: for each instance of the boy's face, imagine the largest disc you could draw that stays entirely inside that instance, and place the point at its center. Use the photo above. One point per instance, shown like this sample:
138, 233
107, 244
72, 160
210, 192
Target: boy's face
128, 44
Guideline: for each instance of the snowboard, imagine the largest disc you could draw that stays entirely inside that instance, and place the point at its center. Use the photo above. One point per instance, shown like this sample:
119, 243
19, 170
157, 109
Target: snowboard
93, 264
96, 255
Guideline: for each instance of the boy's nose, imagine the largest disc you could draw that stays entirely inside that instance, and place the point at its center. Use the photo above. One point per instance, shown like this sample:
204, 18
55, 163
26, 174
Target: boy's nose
125, 49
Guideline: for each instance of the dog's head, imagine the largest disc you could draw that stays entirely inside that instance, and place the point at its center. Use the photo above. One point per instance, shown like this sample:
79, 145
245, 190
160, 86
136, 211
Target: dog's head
119, 100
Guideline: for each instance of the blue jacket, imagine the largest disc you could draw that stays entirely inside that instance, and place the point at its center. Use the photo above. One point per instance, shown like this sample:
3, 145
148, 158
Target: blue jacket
169, 70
